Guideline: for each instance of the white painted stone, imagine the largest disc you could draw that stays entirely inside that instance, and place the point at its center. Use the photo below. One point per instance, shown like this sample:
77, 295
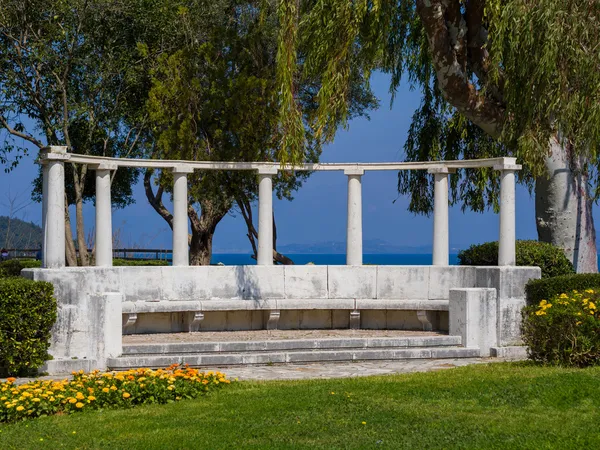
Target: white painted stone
264, 255
180, 219
55, 216
352, 281
105, 333
142, 283
305, 281
440, 218
403, 282
506, 244
104, 248
442, 279
354, 256
473, 317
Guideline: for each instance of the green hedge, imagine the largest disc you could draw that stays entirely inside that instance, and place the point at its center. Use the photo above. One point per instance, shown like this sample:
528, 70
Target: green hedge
564, 329
27, 313
140, 262
538, 290
547, 257
13, 267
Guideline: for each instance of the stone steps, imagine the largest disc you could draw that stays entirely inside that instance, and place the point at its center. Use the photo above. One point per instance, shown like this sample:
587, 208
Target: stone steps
203, 354
290, 344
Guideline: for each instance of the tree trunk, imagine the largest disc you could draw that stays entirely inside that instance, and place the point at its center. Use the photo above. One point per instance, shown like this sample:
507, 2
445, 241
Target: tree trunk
203, 230
564, 208
201, 247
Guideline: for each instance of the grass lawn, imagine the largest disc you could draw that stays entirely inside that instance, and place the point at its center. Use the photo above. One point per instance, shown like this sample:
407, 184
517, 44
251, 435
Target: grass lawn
482, 406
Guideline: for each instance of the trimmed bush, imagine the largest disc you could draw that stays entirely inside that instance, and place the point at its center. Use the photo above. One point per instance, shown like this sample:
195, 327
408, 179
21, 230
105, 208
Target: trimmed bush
97, 390
547, 257
564, 330
13, 267
140, 262
538, 290
27, 313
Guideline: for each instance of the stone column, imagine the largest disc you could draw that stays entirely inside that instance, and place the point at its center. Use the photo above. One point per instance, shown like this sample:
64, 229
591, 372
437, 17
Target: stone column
265, 216
440, 216
506, 241
354, 250
104, 245
181, 248
53, 205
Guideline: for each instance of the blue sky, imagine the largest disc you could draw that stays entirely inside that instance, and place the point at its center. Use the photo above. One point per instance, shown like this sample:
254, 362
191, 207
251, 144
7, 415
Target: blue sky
318, 212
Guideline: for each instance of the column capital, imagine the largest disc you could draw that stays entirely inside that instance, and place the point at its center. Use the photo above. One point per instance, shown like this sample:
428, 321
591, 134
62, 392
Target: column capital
54, 153
354, 171
268, 170
508, 164
442, 170
511, 167
182, 168
105, 166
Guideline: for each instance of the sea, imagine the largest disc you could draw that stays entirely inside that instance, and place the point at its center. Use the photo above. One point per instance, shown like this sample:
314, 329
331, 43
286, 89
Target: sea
236, 259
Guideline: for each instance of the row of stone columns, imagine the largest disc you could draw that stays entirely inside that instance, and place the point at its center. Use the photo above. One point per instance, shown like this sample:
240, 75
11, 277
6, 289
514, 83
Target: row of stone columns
53, 213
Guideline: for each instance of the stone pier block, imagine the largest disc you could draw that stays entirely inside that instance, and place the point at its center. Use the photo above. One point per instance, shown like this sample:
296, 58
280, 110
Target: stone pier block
473, 317
352, 281
406, 283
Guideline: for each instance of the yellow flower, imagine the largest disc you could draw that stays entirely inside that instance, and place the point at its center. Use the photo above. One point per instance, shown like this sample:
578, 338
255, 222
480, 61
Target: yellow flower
592, 305
113, 388
79, 396
105, 389
126, 395
563, 296
364, 423
72, 400
170, 388
35, 400
91, 398
20, 408
589, 291
79, 405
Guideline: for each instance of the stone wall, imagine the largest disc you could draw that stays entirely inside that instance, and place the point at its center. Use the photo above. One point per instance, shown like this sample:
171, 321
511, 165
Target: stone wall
78, 289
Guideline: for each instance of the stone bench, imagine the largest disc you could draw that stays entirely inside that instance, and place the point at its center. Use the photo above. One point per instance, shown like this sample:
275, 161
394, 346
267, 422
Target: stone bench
273, 307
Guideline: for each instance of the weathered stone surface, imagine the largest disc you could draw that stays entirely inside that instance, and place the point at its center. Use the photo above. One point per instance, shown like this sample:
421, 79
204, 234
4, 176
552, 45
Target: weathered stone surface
305, 281
473, 317
352, 281
402, 282
444, 278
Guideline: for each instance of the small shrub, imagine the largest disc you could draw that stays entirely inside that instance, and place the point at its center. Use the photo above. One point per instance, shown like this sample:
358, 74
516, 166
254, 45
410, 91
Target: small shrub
564, 330
104, 390
549, 258
27, 313
13, 267
140, 262
538, 290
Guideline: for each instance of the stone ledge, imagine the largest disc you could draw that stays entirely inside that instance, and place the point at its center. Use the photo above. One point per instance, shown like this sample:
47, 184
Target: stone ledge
517, 352
66, 366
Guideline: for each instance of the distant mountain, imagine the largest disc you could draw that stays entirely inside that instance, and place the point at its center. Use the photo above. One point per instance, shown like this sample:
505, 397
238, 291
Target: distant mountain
15, 233
375, 246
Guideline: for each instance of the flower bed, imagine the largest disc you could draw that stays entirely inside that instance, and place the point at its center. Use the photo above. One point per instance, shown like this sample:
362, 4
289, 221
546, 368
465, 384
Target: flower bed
565, 329
98, 390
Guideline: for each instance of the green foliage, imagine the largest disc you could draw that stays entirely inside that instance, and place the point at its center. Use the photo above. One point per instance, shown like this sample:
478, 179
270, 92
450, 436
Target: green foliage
27, 313
13, 267
15, 233
139, 262
564, 330
101, 391
547, 257
538, 290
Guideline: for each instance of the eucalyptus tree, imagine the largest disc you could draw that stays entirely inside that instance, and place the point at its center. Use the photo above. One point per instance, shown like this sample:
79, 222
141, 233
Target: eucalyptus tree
65, 81
213, 97
498, 77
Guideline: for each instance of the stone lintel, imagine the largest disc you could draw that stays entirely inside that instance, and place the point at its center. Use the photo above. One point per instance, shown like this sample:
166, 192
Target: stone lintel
512, 167
183, 168
354, 171
268, 170
54, 153
446, 170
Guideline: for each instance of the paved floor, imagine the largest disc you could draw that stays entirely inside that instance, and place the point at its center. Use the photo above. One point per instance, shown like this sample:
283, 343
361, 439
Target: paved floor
329, 370
347, 370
